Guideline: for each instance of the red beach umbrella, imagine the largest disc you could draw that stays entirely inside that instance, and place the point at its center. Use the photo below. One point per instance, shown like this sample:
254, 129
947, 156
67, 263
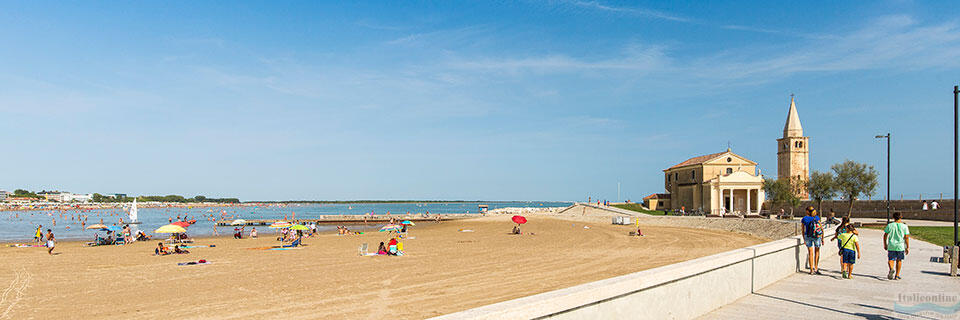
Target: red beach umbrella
183, 224
519, 219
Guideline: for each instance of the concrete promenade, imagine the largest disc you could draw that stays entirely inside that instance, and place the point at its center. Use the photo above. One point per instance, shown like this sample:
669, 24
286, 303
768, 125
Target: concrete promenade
869, 295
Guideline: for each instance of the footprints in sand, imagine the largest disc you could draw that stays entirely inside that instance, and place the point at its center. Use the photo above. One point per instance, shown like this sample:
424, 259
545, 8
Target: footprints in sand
14, 292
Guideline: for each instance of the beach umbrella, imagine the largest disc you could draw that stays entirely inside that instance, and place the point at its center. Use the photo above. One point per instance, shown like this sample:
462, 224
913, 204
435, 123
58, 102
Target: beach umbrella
182, 224
280, 224
96, 226
238, 222
113, 228
408, 222
299, 227
519, 219
170, 228
390, 227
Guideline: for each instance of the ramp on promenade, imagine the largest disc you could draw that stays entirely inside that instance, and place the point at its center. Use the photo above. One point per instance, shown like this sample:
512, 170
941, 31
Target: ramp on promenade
869, 295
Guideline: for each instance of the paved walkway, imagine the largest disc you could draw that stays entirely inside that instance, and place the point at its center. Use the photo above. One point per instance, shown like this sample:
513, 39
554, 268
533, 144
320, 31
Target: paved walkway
869, 295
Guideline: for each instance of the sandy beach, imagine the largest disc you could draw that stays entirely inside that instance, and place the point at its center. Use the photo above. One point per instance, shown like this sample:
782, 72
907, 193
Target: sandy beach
445, 270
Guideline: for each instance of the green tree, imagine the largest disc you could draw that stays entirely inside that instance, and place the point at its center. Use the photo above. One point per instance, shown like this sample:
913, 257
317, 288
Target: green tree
821, 186
783, 191
25, 194
853, 179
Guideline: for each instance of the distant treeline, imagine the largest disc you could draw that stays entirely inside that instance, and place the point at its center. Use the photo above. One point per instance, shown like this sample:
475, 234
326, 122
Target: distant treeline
168, 198
369, 201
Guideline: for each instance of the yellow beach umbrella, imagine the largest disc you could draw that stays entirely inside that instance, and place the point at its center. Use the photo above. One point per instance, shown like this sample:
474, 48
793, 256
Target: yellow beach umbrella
96, 226
170, 229
280, 224
299, 227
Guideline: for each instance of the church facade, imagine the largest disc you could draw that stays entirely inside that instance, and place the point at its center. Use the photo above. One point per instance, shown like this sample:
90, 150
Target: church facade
719, 184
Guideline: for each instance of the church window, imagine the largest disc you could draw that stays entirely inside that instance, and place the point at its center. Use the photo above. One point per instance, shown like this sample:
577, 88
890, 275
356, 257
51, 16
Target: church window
729, 170
729, 159
693, 174
800, 144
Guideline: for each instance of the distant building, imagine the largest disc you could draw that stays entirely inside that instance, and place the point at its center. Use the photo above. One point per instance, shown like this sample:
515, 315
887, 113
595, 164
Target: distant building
21, 200
118, 195
657, 201
793, 156
3, 195
51, 195
716, 184
71, 197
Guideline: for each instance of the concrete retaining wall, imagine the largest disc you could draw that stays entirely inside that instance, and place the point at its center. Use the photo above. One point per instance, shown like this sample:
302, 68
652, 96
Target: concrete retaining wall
682, 290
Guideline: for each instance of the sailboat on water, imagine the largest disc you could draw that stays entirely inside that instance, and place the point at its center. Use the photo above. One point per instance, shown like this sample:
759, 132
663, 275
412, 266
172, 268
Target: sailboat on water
133, 213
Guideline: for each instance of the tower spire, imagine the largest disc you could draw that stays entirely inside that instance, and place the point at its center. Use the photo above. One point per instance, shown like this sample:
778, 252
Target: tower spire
792, 128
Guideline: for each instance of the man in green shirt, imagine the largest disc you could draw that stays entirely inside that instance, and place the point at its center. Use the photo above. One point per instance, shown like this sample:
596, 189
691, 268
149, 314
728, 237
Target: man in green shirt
896, 240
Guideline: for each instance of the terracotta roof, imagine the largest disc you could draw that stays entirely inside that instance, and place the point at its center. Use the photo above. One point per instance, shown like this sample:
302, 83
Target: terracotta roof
698, 160
657, 196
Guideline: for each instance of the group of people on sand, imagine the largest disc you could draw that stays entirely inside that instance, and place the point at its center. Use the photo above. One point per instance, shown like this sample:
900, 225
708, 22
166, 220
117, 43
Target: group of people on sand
162, 250
896, 242
343, 230
392, 248
51, 240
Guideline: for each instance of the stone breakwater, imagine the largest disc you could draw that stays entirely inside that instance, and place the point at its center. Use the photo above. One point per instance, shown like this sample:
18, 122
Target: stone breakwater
530, 210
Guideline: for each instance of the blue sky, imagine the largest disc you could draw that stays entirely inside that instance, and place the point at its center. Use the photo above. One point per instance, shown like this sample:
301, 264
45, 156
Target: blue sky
544, 100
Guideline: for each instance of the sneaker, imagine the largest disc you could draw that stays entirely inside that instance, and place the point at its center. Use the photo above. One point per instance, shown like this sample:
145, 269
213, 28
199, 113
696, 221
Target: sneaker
890, 275
897, 278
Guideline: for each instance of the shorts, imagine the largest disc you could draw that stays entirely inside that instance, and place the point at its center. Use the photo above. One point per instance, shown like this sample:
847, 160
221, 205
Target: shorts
812, 241
895, 255
50, 244
849, 256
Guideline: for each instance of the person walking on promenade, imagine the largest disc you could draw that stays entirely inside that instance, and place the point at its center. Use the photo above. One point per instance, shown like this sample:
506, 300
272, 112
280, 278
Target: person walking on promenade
934, 205
849, 243
925, 205
836, 236
812, 238
896, 241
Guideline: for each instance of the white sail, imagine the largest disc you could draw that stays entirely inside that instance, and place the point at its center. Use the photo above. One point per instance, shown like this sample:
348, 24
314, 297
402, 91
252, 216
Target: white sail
133, 211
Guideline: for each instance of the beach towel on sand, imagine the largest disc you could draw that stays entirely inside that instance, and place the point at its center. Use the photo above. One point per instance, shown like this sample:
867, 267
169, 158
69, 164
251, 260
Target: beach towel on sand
191, 263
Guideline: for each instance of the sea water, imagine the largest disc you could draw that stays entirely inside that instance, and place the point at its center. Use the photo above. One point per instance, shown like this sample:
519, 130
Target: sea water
20, 226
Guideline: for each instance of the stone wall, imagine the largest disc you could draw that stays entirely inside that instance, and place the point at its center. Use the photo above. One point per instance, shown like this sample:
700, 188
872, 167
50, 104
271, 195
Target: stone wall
911, 209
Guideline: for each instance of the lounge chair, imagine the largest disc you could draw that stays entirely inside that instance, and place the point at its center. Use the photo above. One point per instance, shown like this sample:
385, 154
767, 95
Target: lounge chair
295, 243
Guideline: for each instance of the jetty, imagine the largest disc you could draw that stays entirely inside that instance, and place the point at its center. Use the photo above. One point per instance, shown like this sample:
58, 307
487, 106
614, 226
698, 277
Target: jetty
348, 219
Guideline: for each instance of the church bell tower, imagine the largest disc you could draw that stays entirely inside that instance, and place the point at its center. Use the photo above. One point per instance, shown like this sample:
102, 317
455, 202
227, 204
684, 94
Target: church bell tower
793, 156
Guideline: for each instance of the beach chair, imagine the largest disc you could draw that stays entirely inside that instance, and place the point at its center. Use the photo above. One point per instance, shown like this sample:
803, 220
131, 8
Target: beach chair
363, 249
295, 243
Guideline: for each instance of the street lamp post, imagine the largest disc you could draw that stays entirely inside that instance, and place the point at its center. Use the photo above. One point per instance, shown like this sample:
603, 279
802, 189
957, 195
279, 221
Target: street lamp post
888, 173
956, 242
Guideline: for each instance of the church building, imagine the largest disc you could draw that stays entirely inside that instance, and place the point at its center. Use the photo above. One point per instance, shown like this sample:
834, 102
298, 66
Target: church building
727, 183
718, 184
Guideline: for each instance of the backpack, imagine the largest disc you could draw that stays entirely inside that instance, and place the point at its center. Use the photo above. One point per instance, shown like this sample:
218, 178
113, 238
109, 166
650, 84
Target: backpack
813, 229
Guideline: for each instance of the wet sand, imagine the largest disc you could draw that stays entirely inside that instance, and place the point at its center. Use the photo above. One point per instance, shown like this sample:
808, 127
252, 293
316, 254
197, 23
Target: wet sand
444, 271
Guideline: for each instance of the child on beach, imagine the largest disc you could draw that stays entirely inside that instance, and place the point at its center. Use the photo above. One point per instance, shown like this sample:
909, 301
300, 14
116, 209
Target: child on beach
253, 233
382, 250
850, 251
51, 242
